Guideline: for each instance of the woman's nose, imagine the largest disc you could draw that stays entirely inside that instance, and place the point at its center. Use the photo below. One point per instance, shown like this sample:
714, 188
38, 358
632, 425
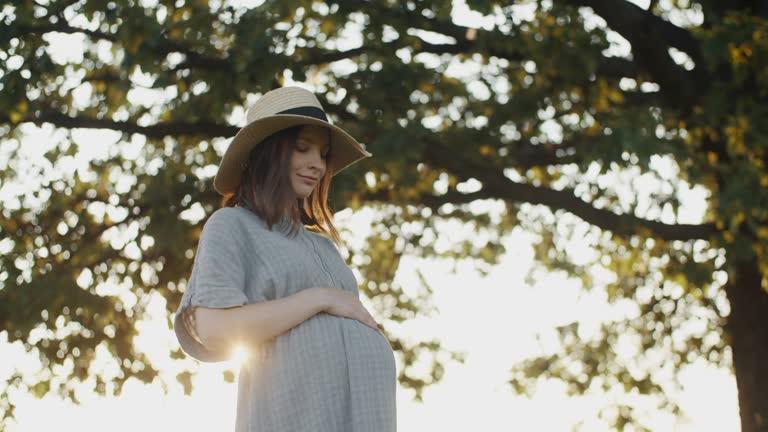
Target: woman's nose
317, 161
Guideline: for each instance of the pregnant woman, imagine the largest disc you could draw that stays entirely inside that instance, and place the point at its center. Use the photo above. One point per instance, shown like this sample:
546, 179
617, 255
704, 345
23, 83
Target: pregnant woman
268, 276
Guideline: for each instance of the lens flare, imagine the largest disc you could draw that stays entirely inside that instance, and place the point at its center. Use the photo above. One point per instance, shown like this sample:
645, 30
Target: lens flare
239, 354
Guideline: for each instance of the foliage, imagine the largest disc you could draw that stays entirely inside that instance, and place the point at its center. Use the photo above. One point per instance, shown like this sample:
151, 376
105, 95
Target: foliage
531, 111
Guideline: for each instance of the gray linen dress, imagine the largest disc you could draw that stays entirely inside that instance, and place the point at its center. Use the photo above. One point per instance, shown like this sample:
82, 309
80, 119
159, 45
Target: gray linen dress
327, 374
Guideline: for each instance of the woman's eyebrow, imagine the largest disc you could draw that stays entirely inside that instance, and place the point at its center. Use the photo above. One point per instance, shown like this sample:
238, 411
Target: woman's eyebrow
306, 138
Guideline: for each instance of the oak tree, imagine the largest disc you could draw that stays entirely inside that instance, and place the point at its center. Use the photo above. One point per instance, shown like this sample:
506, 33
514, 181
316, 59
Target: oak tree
530, 110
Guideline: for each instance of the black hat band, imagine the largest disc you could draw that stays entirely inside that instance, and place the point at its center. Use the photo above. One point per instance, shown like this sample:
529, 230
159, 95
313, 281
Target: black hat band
307, 111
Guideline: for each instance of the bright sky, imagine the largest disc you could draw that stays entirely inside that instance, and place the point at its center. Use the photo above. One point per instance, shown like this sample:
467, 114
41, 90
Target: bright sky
493, 319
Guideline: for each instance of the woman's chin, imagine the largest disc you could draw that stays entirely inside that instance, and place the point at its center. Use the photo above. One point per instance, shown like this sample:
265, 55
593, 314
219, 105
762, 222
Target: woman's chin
303, 193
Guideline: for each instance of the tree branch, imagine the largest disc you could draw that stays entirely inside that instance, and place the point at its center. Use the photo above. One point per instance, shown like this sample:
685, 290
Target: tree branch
158, 130
465, 44
62, 27
629, 19
434, 202
610, 66
494, 185
498, 186
167, 46
650, 37
617, 67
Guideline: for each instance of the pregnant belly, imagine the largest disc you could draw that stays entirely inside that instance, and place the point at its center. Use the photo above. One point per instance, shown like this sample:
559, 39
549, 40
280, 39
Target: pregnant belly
338, 369
337, 348
364, 344
370, 358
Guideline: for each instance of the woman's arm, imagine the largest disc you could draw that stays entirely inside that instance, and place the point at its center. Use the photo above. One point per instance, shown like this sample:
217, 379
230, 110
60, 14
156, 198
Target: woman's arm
253, 324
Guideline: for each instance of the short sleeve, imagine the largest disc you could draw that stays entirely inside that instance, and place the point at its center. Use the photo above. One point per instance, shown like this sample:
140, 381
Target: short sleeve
217, 280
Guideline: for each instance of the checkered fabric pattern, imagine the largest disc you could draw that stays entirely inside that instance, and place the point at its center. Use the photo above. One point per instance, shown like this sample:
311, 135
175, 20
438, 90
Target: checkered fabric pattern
327, 374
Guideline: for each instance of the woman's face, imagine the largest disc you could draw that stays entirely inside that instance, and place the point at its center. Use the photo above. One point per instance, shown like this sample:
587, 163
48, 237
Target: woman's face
308, 159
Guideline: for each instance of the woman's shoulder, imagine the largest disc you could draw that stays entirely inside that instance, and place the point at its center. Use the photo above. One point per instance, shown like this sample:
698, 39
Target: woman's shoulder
234, 218
224, 216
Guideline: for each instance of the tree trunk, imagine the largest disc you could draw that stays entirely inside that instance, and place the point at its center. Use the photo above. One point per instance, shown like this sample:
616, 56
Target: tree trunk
748, 330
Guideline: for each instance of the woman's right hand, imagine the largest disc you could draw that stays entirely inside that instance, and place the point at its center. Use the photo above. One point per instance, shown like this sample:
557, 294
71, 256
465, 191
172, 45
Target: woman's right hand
339, 302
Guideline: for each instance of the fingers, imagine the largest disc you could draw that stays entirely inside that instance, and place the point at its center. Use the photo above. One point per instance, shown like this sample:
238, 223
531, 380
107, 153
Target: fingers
374, 325
362, 313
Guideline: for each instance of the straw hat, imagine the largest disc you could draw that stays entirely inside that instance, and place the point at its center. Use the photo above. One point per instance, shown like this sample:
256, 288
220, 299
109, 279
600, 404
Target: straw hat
276, 110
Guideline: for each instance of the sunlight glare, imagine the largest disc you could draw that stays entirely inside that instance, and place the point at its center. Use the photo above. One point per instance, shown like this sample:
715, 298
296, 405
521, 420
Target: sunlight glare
239, 354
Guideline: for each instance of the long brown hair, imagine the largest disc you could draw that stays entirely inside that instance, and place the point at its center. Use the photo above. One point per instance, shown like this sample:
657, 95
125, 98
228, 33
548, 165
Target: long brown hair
265, 187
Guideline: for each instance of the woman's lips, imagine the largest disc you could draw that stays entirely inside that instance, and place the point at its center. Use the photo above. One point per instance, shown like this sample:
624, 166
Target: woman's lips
308, 180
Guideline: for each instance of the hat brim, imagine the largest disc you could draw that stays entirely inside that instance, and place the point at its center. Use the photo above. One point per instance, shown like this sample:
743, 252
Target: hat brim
345, 149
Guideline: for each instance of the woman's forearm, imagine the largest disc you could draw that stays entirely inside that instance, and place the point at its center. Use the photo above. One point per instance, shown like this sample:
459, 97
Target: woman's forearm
255, 323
